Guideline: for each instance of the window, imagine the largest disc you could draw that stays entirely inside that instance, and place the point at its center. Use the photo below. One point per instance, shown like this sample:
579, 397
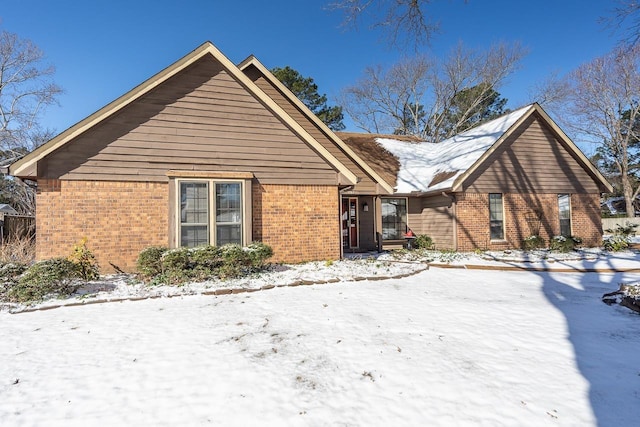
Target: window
198, 200
564, 212
496, 216
394, 218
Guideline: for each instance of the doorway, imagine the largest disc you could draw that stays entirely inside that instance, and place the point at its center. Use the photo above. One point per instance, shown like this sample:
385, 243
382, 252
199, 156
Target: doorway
349, 216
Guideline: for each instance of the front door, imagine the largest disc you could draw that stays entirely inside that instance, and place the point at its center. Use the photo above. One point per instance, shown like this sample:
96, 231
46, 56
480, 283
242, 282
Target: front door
349, 222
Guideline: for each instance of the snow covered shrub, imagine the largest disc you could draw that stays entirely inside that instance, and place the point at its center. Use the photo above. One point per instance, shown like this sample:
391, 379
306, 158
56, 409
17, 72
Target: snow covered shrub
176, 266
627, 230
620, 238
533, 242
51, 277
84, 261
423, 242
616, 243
259, 254
149, 261
564, 243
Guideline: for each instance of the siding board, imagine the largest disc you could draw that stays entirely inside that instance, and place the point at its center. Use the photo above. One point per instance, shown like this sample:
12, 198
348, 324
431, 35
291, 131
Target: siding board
532, 160
366, 185
200, 119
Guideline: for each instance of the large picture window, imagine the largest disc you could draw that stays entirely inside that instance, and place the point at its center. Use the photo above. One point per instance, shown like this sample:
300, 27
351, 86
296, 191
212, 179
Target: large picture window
496, 216
564, 212
394, 218
198, 201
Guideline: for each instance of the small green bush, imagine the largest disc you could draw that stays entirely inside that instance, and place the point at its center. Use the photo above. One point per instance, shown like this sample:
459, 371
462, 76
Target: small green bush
423, 242
149, 261
50, 277
564, 243
533, 242
84, 261
259, 253
616, 243
625, 230
176, 266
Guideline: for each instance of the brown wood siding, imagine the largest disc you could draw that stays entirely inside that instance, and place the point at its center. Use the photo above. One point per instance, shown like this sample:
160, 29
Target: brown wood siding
366, 185
433, 216
532, 160
200, 119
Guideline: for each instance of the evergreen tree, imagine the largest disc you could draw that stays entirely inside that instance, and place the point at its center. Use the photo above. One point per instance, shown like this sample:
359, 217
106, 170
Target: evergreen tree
307, 91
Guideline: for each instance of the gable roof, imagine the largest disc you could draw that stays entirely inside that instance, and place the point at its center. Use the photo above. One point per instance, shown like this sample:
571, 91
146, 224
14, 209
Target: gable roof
253, 61
426, 167
26, 166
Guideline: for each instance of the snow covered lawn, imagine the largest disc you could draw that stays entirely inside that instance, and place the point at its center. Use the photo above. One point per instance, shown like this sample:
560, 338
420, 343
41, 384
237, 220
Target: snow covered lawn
444, 347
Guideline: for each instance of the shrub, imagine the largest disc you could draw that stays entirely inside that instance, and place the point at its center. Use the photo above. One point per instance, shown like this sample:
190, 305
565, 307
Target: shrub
533, 242
616, 243
177, 266
621, 237
423, 242
18, 250
259, 253
50, 277
84, 261
627, 230
149, 261
564, 243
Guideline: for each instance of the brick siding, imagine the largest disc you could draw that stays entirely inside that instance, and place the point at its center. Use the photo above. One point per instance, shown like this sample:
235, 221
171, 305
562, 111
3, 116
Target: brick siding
524, 215
300, 222
119, 219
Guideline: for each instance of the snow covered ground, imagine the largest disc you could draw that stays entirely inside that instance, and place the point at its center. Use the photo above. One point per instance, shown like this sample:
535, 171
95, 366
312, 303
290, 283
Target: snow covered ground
444, 347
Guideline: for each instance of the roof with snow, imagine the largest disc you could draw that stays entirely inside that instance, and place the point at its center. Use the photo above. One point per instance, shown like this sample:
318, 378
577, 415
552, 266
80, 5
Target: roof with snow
425, 167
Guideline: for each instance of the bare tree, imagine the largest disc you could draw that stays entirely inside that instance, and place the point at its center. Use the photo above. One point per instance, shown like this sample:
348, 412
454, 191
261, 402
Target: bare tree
416, 95
403, 21
604, 106
25, 89
626, 19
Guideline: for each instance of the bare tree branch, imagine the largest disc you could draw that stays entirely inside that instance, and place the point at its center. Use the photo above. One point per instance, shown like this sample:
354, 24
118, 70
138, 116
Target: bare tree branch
604, 106
625, 19
403, 22
25, 89
416, 95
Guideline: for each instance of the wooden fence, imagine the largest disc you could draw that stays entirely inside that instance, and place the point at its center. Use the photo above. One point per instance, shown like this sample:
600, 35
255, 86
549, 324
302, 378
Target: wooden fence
612, 223
17, 226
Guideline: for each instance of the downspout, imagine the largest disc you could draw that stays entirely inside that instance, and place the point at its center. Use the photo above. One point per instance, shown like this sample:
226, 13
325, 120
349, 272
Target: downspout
452, 199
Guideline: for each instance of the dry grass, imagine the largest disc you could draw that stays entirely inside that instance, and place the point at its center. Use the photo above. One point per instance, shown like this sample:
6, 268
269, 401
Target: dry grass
20, 250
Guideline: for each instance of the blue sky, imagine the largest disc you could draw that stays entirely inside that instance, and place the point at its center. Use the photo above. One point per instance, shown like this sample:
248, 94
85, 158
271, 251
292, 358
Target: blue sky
102, 49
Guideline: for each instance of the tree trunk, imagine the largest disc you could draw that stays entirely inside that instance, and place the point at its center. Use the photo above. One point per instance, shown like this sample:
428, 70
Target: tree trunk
628, 196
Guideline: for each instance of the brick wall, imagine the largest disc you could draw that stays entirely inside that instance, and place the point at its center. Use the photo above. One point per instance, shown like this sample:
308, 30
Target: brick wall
118, 219
300, 222
524, 215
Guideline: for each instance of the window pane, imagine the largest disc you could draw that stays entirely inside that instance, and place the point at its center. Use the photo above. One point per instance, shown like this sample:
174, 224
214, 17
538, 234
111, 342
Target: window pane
228, 213
496, 217
394, 218
194, 235
564, 212
228, 234
194, 214
194, 199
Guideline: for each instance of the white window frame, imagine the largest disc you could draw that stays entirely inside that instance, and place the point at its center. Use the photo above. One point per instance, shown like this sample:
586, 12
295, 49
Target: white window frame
503, 219
211, 225
568, 196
